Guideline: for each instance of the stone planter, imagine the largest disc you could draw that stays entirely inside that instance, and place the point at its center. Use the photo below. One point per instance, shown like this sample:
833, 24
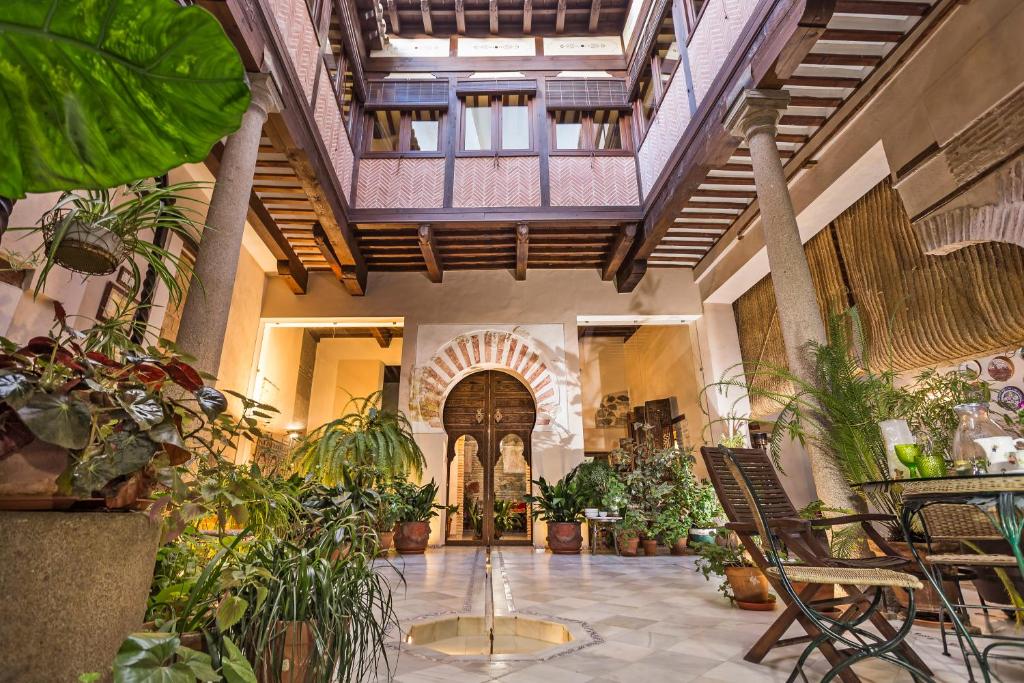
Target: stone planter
73, 585
411, 537
749, 585
565, 538
650, 546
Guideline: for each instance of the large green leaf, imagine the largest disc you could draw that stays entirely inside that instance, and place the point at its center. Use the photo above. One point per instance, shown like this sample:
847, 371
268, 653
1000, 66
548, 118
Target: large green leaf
97, 93
150, 658
58, 419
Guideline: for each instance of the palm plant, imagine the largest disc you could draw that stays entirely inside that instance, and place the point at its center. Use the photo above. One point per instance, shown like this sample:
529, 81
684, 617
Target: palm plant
366, 437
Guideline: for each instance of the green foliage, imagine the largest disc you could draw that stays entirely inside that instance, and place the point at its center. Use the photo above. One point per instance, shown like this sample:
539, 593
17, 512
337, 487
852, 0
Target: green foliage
559, 502
105, 92
124, 419
844, 541
593, 478
615, 497
151, 657
631, 525
366, 437
702, 503
713, 558
504, 519
416, 503
653, 478
131, 213
671, 525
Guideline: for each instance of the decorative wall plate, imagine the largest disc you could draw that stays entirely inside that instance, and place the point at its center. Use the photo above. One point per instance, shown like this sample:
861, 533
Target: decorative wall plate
970, 369
1000, 368
1010, 398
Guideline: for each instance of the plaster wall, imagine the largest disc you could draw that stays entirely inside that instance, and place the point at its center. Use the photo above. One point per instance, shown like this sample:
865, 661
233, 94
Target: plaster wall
346, 368
602, 372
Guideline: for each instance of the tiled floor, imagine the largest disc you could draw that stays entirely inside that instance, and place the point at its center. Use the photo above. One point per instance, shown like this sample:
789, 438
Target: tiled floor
655, 619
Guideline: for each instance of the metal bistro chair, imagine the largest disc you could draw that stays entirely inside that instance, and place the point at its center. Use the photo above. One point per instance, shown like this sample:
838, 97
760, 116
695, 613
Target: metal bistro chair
803, 539
859, 644
963, 522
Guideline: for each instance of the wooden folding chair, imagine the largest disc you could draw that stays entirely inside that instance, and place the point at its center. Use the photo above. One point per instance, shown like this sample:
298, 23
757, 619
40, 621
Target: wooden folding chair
804, 539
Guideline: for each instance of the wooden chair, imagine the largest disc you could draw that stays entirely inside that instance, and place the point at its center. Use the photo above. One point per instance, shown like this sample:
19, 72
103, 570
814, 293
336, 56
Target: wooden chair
865, 587
803, 539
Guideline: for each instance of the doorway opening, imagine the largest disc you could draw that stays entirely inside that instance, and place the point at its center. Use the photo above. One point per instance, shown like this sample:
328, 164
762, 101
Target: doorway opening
489, 418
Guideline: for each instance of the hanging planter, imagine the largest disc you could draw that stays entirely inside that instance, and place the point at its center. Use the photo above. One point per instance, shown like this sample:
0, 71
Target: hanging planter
83, 247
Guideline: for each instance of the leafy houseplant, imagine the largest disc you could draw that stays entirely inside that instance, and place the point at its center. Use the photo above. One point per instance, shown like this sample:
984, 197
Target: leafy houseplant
504, 518
615, 498
93, 232
367, 437
415, 510
560, 505
68, 76
627, 531
704, 512
594, 477
162, 657
741, 582
672, 526
450, 512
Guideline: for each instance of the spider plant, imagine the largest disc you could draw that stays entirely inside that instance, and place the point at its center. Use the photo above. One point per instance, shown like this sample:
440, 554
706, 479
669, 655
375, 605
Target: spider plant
365, 437
95, 231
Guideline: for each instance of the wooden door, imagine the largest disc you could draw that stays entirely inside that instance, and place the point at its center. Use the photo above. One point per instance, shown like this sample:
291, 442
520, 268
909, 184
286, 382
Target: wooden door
489, 417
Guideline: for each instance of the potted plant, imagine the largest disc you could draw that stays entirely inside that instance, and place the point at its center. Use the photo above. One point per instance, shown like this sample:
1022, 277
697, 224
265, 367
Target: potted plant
561, 506
673, 526
704, 511
615, 498
593, 477
627, 533
505, 518
476, 518
743, 583
83, 432
369, 438
94, 232
450, 511
416, 508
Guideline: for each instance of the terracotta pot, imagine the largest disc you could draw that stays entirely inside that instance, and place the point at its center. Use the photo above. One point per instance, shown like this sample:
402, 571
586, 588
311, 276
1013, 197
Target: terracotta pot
411, 537
288, 659
679, 547
387, 539
341, 552
748, 584
565, 538
650, 546
628, 545
74, 585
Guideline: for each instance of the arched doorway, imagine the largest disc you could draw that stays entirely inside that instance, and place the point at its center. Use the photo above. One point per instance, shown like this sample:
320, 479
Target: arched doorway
489, 417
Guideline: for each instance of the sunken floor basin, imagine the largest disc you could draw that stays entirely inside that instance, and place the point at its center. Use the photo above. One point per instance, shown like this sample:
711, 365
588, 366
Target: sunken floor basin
468, 636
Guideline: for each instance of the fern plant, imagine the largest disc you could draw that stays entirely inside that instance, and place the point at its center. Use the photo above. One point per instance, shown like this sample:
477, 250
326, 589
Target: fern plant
366, 438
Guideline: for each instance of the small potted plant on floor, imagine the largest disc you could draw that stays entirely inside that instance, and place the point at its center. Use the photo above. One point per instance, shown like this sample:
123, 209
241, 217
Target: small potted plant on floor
415, 510
504, 517
627, 533
704, 511
672, 526
450, 512
561, 506
742, 582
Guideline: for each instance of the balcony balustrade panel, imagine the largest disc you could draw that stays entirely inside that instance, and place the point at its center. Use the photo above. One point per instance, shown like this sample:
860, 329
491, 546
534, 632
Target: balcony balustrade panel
400, 184
593, 181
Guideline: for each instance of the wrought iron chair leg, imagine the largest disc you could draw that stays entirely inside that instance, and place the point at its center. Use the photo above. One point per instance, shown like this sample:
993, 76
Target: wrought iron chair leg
942, 627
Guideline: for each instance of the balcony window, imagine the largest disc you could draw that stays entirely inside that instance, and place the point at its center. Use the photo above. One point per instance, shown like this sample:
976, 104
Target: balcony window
603, 130
405, 133
496, 123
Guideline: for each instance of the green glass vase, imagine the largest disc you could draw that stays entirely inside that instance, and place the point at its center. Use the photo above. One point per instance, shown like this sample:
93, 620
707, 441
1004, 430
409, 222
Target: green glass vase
931, 465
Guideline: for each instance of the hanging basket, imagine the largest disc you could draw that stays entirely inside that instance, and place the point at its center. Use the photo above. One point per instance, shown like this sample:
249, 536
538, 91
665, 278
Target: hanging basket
85, 248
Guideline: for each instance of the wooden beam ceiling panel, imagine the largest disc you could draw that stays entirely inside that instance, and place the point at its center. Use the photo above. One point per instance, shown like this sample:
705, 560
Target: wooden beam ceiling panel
560, 17
382, 335
431, 256
522, 250
460, 16
428, 26
396, 25
595, 17
619, 251
492, 10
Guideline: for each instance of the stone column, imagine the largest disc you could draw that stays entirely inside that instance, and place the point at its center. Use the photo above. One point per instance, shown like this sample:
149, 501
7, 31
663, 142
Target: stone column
754, 117
204, 319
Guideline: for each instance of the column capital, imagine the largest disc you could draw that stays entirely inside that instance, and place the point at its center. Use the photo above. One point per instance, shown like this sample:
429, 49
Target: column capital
265, 94
756, 110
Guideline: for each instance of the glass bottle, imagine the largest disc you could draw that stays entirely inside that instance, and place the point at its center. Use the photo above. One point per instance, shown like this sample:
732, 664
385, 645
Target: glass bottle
974, 437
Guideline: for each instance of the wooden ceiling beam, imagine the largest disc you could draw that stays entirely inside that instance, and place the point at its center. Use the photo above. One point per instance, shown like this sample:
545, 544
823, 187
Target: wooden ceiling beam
856, 35
324, 244
560, 17
522, 250
428, 26
595, 17
396, 25
492, 9
617, 254
431, 255
831, 59
460, 16
527, 16
382, 335
902, 9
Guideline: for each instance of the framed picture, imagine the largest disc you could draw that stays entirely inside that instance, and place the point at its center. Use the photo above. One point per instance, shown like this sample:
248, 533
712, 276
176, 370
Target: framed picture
124, 277
116, 302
